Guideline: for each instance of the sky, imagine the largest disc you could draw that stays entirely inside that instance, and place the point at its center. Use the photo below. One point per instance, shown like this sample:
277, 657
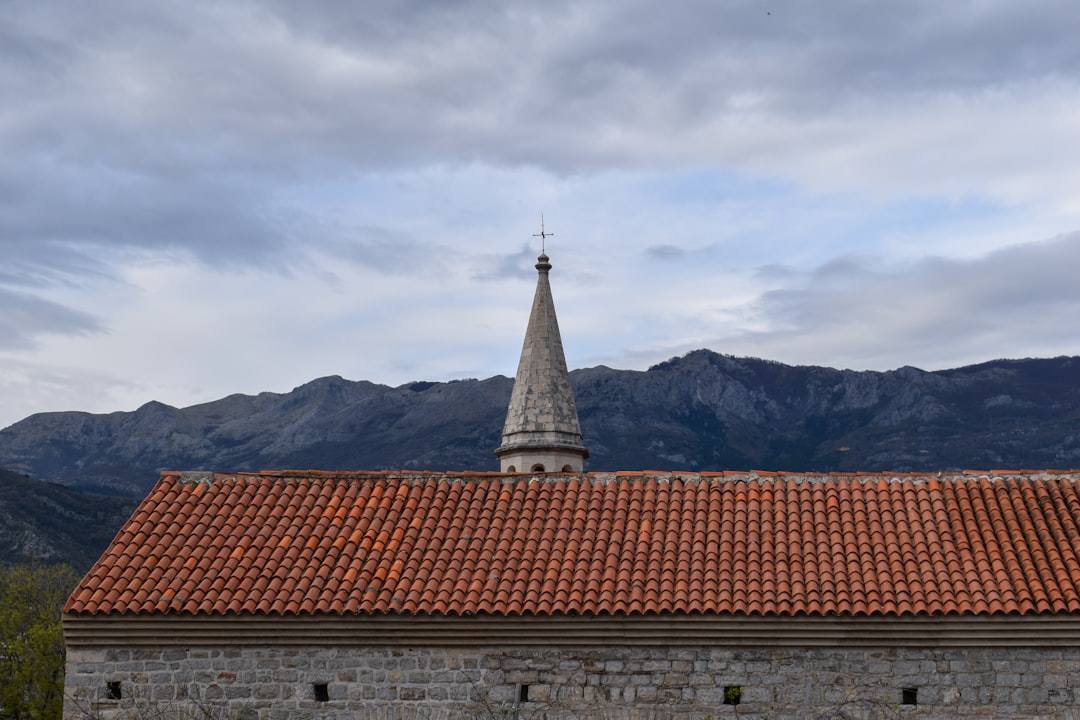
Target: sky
205, 198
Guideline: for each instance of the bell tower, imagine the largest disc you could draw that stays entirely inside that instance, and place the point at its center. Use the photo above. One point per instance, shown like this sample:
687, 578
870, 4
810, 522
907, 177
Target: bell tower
542, 432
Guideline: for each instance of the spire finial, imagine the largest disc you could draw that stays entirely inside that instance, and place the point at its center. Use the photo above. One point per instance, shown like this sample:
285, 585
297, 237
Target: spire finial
543, 235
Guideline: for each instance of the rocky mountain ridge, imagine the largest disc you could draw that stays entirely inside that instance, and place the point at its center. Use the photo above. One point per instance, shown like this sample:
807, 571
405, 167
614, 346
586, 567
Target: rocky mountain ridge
701, 411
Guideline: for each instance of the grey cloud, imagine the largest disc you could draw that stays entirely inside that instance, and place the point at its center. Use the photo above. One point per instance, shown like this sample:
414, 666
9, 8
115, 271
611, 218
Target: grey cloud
183, 126
26, 316
36, 263
774, 271
665, 252
382, 249
841, 269
515, 265
292, 89
1022, 296
58, 216
280, 85
668, 68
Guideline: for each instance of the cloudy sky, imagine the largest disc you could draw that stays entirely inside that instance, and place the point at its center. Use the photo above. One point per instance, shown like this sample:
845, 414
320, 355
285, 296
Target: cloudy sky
201, 198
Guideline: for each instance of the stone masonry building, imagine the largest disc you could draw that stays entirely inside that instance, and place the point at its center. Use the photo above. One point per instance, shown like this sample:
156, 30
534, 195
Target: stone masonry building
539, 592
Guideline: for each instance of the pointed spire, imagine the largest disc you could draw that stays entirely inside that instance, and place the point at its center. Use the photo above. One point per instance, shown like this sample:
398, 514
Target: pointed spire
542, 433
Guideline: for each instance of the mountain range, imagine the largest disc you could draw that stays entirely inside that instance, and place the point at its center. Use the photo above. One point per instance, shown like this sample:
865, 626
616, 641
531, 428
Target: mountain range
51, 523
701, 411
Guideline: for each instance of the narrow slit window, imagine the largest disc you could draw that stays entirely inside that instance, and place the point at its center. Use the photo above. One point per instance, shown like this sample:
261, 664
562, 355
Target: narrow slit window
523, 693
113, 691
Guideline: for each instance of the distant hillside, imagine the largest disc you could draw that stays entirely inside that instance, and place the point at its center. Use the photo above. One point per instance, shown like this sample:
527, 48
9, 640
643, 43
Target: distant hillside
54, 523
702, 411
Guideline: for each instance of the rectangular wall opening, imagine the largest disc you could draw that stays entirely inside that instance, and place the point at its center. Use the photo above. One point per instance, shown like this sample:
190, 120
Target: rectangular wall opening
910, 696
322, 692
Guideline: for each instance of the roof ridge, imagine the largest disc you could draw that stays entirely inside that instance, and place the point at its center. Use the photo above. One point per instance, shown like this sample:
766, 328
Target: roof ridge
201, 476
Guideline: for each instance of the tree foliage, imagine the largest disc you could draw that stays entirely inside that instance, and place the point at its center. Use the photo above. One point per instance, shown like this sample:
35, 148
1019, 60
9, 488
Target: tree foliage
32, 641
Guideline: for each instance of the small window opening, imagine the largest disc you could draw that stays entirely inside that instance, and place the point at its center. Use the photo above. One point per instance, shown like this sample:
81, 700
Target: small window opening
567, 468
523, 693
910, 696
322, 692
732, 694
113, 691
511, 469
538, 468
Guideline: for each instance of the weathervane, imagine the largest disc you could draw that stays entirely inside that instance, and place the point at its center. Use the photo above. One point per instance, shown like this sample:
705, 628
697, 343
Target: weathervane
543, 235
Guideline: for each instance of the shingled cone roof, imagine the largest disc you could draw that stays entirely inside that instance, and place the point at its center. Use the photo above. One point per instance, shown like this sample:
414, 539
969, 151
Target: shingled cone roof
542, 432
496, 545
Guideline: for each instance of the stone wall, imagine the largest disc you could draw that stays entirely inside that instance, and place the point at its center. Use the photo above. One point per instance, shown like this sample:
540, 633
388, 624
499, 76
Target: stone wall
681, 683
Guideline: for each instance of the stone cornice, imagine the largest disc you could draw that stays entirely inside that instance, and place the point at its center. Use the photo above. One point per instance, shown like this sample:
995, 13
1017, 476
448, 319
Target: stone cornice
737, 631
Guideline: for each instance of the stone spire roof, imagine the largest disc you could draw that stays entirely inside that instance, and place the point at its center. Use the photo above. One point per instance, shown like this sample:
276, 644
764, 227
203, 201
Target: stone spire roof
542, 432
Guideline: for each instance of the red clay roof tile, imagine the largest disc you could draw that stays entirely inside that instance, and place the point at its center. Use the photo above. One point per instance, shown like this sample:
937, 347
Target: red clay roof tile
777, 544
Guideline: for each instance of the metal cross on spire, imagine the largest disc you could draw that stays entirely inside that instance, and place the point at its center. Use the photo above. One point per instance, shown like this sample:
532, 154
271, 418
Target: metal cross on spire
543, 235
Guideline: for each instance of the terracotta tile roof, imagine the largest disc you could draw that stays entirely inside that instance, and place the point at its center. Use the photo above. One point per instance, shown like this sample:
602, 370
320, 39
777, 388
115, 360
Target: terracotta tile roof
476, 543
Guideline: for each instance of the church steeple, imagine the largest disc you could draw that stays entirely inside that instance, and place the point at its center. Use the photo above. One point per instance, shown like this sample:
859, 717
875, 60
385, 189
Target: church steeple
542, 433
